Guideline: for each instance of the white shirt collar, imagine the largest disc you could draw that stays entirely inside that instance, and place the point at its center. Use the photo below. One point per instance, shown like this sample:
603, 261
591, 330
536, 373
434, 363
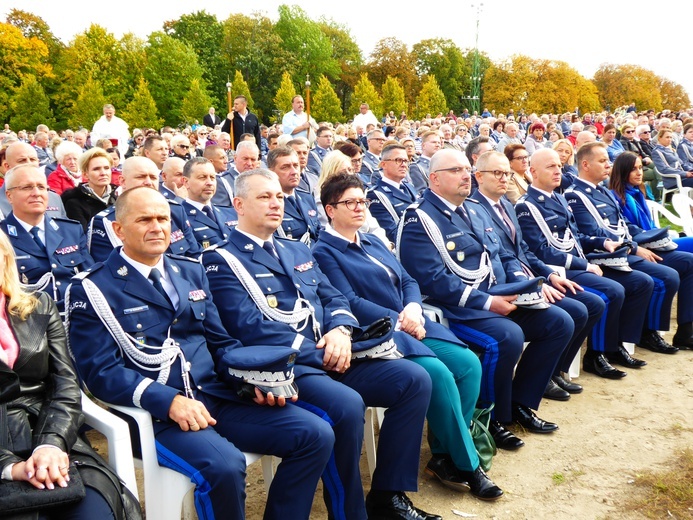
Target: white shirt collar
144, 269
255, 239
449, 204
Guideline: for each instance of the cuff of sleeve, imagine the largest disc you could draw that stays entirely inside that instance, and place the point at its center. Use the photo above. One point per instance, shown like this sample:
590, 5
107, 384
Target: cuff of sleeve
7, 472
487, 305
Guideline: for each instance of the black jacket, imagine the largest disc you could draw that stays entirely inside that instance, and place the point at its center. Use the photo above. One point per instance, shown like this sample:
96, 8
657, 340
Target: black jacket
81, 204
251, 125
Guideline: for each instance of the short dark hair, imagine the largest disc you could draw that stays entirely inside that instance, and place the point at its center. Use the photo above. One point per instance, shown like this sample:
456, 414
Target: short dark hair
335, 186
151, 140
349, 149
189, 165
473, 147
279, 151
322, 130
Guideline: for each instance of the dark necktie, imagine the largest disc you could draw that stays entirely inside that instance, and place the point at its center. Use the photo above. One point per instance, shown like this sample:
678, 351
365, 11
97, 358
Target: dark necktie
269, 247
155, 277
35, 233
462, 213
508, 223
207, 210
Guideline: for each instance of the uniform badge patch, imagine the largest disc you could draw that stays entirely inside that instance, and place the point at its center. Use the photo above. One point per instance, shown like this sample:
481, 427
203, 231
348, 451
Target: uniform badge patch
12, 231
67, 250
123, 271
272, 300
450, 246
249, 247
177, 235
302, 268
197, 295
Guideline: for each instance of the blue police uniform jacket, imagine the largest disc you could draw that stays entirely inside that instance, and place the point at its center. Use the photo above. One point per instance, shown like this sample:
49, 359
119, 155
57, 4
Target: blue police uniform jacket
418, 173
149, 318
685, 152
315, 158
388, 204
101, 239
224, 194
518, 247
423, 262
55, 207
296, 274
169, 194
65, 253
208, 232
371, 291
556, 213
370, 169
301, 216
666, 161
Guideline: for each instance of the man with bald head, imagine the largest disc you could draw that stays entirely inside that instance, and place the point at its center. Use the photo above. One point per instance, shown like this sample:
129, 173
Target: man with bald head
550, 230
23, 153
49, 250
172, 183
450, 245
140, 171
585, 136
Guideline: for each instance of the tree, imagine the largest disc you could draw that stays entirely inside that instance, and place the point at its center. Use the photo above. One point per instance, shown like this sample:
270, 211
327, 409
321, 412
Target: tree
390, 57
195, 103
33, 26
444, 60
393, 96
309, 50
325, 104
560, 88
87, 107
20, 57
141, 111
171, 68
431, 99
30, 106
285, 93
620, 85
348, 54
509, 84
240, 88
364, 92
674, 96
204, 33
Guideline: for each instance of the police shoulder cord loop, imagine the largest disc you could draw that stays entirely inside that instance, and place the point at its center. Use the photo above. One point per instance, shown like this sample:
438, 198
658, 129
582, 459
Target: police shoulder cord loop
160, 362
298, 318
620, 229
469, 277
387, 205
43, 282
112, 237
565, 244
306, 238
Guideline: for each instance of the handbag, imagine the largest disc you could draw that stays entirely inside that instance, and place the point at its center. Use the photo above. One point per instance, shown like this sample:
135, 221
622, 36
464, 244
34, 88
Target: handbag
18, 497
483, 440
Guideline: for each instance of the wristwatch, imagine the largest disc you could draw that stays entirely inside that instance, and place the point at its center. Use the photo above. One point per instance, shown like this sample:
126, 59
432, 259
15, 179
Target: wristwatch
345, 330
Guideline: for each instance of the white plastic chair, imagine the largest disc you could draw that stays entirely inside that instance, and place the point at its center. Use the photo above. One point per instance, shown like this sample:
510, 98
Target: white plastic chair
682, 203
167, 492
372, 413
666, 191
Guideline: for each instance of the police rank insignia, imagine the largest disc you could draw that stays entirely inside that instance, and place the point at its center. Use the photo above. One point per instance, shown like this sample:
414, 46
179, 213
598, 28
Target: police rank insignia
272, 300
197, 295
12, 231
540, 197
205, 244
302, 268
450, 246
123, 271
249, 247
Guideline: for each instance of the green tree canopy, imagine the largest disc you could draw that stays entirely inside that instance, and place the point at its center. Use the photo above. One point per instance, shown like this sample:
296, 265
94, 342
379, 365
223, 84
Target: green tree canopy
431, 99
195, 103
284, 95
87, 107
393, 96
348, 54
29, 106
364, 92
391, 57
444, 60
141, 111
325, 104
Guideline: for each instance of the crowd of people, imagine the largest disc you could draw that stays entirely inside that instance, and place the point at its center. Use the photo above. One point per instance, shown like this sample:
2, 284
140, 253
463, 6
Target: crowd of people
256, 288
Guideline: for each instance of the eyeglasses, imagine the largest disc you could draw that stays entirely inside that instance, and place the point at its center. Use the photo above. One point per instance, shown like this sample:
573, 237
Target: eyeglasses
28, 188
522, 158
645, 132
204, 133
382, 139
184, 146
351, 204
398, 160
357, 161
629, 131
499, 174
455, 170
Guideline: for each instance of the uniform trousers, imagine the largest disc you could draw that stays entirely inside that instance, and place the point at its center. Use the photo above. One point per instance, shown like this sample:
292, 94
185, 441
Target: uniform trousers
500, 339
214, 461
585, 308
404, 388
673, 274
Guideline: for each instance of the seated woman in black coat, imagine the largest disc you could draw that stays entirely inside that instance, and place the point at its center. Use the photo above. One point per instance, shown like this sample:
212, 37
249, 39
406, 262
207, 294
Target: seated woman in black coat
43, 420
94, 195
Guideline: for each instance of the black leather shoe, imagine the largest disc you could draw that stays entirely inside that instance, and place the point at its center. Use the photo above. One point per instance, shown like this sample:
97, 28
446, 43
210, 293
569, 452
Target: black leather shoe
651, 340
568, 386
525, 417
393, 505
442, 468
623, 358
555, 392
683, 339
481, 486
597, 364
504, 439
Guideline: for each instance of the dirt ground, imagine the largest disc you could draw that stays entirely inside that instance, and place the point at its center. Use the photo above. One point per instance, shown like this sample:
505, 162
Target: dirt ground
608, 434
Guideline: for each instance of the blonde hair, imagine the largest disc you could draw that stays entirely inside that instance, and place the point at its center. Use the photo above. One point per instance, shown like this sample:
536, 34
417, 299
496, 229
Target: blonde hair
571, 159
90, 154
334, 162
20, 302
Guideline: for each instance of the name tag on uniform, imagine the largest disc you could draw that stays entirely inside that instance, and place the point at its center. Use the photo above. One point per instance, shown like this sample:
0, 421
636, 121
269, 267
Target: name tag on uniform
200, 228
601, 205
551, 217
454, 235
22, 257
134, 310
264, 275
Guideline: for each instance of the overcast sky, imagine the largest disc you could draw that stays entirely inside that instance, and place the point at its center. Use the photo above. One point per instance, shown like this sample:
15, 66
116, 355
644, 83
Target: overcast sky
584, 34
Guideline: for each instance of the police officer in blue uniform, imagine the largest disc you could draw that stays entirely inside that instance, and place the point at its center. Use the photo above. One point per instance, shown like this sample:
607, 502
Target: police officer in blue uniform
301, 221
148, 301
210, 224
584, 307
140, 171
323, 145
370, 166
270, 291
392, 194
449, 246
49, 251
549, 228
598, 214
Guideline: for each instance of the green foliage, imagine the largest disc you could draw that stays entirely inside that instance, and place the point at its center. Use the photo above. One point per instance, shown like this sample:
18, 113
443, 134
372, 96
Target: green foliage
391, 57
325, 104
240, 88
285, 93
431, 99
348, 54
29, 106
204, 33
393, 96
87, 107
364, 92
141, 111
171, 68
444, 60
196, 103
